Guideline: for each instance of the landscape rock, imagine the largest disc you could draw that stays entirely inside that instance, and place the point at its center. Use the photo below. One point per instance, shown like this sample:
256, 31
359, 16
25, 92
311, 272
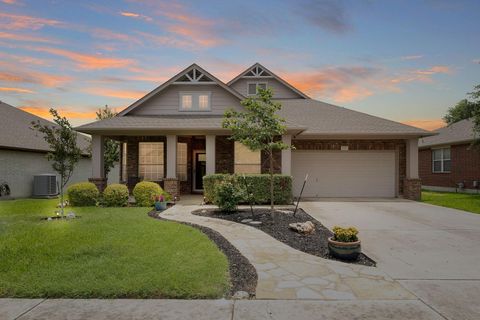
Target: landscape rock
255, 223
241, 295
303, 227
246, 221
71, 215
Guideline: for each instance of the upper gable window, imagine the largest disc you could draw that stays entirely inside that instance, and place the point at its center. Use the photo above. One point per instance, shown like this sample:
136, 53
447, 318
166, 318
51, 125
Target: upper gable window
195, 101
254, 86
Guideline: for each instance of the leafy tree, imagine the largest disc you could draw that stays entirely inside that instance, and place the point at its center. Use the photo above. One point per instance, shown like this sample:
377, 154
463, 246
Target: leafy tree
64, 152
112, 147
258, 128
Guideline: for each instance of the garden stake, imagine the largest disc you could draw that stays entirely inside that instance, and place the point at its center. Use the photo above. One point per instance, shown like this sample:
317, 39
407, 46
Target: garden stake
301, 192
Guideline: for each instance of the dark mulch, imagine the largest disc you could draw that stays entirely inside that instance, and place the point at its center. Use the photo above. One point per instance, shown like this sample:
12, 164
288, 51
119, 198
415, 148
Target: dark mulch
243, 275
315, 244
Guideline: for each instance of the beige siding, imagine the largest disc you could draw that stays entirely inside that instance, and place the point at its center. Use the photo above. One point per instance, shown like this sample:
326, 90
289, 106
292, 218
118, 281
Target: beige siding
167, 101
280, 91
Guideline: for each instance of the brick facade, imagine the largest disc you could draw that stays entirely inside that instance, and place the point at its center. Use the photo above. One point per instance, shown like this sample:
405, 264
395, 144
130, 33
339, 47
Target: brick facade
397, 145
172, 186
465, 167
412, 189
224, 153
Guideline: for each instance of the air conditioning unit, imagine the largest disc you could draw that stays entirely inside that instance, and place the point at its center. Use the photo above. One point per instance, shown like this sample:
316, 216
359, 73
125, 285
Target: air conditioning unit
45, 186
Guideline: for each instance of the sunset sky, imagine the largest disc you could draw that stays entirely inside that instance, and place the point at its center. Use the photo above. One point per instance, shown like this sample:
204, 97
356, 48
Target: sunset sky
403, 60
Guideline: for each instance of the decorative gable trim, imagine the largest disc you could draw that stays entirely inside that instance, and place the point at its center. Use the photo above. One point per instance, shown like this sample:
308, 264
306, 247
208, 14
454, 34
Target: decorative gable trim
258, 71
194, 74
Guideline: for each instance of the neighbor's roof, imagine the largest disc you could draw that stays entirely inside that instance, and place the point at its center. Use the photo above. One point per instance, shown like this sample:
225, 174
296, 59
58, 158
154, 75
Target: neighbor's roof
458, 132
325, 119
15, 132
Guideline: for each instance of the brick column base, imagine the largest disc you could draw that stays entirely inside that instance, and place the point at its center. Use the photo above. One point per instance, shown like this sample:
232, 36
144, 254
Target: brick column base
412, 189
172, 186
101, 183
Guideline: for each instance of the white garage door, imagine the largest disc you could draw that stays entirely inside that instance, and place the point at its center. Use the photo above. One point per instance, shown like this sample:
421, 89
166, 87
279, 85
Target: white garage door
344, 173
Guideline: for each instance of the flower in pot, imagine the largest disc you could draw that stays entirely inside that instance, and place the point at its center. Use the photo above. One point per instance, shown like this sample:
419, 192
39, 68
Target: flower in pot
344, 244
160, 203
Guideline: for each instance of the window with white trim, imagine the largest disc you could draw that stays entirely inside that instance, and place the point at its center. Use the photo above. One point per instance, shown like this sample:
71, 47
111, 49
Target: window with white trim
151, 160
246, 160
441, 161
195, 101
182, 161
254, 86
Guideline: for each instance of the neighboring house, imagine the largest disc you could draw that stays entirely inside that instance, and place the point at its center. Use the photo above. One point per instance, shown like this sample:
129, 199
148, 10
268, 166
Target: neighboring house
173, 135
448, 162
23, 152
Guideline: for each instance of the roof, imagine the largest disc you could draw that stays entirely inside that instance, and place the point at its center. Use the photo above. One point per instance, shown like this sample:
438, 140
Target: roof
459, 132
15, 132
158, 89
285, 83
322, 118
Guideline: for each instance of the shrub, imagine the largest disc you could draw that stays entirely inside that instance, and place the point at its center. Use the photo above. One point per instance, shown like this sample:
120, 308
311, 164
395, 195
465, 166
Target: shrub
83, 194
227, 195
144, 193
115, 195
345, 234
259, 185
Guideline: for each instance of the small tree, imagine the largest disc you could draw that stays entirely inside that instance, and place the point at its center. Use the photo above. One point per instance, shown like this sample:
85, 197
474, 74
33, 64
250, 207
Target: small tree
258, 128
64, 152
112, 147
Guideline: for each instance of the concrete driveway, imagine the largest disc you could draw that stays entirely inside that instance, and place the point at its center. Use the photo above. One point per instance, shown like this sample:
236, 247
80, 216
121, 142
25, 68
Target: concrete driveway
433, 251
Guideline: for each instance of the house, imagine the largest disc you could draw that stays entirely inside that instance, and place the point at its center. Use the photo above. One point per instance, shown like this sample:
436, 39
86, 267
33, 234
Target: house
448, 162
23, 152
173, 135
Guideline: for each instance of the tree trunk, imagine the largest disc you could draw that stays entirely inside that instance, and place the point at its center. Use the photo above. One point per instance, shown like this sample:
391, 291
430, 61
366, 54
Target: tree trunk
61, 198
271, 183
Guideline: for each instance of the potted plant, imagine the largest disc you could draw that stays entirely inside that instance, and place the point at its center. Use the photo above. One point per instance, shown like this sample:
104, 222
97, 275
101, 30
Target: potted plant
344, 244
160, 203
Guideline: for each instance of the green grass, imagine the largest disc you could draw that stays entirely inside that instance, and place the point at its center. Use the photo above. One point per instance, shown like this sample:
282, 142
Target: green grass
107, 253
461, 201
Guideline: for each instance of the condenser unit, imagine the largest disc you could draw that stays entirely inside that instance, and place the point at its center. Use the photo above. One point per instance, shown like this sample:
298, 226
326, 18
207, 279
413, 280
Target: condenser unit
45, 186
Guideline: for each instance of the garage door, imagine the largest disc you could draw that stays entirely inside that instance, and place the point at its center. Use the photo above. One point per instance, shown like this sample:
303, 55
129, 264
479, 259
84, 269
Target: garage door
344, 173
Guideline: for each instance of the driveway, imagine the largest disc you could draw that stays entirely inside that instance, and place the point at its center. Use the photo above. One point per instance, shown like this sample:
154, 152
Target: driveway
433, 251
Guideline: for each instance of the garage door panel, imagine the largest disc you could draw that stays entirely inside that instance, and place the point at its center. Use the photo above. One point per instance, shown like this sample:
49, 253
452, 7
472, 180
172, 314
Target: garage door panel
344, 174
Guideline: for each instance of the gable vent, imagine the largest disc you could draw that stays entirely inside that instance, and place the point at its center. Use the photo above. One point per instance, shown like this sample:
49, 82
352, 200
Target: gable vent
194, 76
257, 72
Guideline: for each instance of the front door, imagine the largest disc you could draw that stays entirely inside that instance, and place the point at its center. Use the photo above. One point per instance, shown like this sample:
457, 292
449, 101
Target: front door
200, 169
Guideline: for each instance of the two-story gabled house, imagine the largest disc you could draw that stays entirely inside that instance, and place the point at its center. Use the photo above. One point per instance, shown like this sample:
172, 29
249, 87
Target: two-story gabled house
173, 135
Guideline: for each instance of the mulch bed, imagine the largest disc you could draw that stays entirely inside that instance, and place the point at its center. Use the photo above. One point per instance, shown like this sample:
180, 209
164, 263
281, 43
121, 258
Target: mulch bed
315, 243
243, 275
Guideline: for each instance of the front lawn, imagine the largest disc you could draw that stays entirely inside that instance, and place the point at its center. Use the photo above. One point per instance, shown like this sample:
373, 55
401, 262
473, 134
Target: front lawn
106, 253
461, 201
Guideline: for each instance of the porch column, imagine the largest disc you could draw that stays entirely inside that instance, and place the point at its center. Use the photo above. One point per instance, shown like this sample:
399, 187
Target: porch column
412, 188
287, 155
171, 157
210, 153
98, 171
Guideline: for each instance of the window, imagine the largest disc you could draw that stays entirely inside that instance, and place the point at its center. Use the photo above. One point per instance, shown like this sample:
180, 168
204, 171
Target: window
195, 101
182, 161
246, 160
151, 162
254, 86
441, 161
124, 162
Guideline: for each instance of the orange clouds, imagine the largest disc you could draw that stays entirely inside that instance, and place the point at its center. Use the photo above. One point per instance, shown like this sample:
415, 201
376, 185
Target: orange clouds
135, 15
43, 112
10, 21
86, 61
26, 38
427, 124
114, 93
15, 90
27, 76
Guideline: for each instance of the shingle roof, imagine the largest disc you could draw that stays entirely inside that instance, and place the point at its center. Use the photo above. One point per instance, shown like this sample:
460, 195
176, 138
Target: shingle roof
458, 132
15, 130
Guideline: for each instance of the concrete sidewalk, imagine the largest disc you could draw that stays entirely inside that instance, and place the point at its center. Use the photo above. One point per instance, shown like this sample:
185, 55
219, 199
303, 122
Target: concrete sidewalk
122, 309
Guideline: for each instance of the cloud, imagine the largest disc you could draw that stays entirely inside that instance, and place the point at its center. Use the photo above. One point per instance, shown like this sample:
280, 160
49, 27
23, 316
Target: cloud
329, 15
18, 75
106, 34
477, 61
69, 113
24, 60
413, 57
423, 75
10, 1
87, 61
135, 15
26, 38
10, 21
116, 93
15, 90
427, 124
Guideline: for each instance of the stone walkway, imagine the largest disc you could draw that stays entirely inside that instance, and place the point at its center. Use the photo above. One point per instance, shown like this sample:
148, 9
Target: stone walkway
286, 273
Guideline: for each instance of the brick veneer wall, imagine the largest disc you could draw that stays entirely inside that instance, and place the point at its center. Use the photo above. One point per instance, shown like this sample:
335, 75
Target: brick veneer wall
224, 154
465, 167
397, 145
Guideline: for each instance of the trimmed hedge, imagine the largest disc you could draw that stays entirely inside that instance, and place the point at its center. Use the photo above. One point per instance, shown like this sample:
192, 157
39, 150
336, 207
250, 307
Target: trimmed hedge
115, 195
83, 194
259, 185
144, 193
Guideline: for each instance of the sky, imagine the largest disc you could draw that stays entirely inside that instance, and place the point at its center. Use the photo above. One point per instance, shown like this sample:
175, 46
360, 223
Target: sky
407, 61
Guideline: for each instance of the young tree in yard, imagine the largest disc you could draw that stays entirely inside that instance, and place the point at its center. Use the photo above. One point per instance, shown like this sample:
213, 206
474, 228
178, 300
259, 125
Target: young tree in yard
258, 128
112, 147
64, 152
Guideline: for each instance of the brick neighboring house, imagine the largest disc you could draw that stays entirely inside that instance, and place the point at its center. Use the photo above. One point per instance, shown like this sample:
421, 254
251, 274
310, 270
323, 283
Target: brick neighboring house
448, 162
173, 136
